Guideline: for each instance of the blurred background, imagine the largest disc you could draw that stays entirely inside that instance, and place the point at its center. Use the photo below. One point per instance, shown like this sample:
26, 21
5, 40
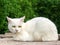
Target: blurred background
29, 8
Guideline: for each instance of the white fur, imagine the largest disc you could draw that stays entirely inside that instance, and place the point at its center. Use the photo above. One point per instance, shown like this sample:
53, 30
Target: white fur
36, 29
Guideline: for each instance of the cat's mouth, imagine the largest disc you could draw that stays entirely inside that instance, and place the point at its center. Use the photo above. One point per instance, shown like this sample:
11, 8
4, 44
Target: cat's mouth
17, 32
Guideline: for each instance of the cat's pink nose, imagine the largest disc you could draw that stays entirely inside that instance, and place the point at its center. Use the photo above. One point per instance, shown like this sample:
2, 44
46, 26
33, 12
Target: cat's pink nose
16, 30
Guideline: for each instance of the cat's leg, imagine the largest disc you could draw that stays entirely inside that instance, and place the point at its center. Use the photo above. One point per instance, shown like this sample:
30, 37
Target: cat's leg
49, 37
23, 38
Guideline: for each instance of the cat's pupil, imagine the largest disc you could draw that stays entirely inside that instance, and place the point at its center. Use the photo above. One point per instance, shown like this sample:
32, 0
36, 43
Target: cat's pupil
19, 26
13, 26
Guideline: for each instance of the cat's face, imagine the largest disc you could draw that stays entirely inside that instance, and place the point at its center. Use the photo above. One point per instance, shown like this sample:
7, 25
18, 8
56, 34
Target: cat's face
15, 25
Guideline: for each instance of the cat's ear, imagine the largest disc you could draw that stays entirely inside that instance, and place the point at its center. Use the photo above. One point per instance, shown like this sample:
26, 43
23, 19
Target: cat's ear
9, 19
22, 18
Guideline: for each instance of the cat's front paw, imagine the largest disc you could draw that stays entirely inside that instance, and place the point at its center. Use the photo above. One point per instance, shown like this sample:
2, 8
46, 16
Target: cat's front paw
16, 39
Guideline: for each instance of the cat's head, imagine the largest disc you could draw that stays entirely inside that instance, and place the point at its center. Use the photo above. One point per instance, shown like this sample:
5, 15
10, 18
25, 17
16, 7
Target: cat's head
15, 24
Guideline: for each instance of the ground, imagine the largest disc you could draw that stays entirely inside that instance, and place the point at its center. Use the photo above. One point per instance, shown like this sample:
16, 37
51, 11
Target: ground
7, 40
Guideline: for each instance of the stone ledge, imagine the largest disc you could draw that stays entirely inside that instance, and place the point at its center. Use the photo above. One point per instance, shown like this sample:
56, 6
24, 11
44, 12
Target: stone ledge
6, 39
10, 42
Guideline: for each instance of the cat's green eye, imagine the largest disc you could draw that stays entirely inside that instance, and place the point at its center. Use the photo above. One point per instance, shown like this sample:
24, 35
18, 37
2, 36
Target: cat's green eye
19, 26
13, 26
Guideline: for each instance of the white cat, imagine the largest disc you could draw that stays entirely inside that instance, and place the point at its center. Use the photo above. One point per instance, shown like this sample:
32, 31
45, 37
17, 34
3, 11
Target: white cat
36, 29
